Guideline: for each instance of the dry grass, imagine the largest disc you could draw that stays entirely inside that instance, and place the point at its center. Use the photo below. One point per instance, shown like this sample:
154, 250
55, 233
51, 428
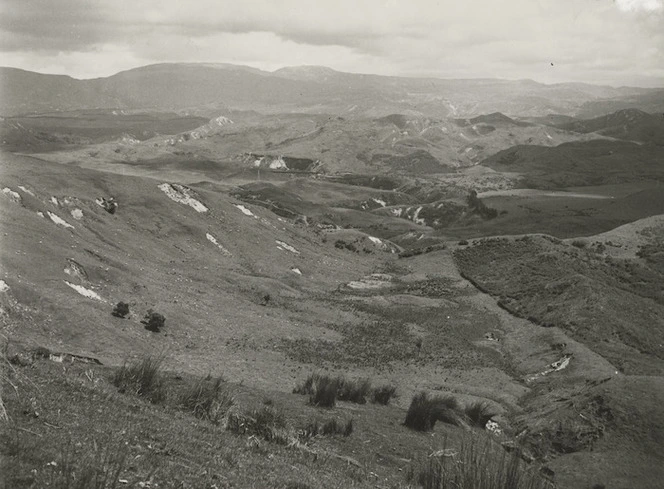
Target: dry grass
424, 411
207, 399
478, 463
142, 378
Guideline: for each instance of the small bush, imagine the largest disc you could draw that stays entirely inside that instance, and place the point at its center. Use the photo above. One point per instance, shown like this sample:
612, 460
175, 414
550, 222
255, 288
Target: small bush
207, 399
383, 394
266, 423
41, 352
579, 243
142, 378
424, 411
121, 310
153, 321
479, 413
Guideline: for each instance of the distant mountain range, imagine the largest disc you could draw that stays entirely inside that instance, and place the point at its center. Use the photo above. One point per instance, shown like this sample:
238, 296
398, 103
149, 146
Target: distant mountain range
207, 89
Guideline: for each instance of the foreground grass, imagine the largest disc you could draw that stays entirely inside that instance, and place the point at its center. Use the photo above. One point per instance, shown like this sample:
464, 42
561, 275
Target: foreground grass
478, 463
53, 438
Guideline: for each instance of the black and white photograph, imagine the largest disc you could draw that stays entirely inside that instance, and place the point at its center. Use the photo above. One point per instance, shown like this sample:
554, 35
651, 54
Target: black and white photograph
372, 244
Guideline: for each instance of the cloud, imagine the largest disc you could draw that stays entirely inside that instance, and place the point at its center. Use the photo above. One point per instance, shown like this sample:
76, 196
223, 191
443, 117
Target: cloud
432, 37
640, 5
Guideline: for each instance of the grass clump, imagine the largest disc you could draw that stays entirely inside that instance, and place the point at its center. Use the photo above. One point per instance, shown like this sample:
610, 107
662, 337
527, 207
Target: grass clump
207, 399
477, 463
142, 378
424, 411
324, 390
383, 394
353, 390
266, 423
479, 413
330, 427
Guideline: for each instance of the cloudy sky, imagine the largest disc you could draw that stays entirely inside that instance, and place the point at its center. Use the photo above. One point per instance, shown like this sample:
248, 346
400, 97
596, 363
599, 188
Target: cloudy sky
613, 42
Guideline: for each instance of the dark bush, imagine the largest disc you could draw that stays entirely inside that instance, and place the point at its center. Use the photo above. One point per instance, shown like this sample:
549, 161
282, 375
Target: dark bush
120, 310
383, 394
425, 411
142, 378
479, 413
153, 321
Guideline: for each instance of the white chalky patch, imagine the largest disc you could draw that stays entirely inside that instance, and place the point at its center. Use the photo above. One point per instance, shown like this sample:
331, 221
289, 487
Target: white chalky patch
54, 201
180, 194
380, 202
554, 367
3, 286
214, 241
375, 240
244, 210
58, 220
296, 270
14, 196
493, 427
40, 214
77, 214
90, 294
27, 191
287, 247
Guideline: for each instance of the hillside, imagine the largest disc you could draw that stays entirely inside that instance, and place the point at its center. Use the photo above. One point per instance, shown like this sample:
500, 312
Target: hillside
629, 124
204, 88
580, 164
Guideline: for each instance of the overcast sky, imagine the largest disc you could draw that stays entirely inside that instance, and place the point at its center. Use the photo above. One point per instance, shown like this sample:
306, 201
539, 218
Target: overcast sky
613, 42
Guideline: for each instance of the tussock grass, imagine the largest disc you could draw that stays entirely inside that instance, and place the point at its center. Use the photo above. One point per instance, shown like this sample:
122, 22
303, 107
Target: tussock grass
424, 411
324, 390
142, 378
330, 427
207, 399
383, 394
266, 423
478, 463
479, 413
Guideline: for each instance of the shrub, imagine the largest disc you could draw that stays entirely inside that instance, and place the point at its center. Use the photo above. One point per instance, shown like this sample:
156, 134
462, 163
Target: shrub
424, 411
266, 423
479, 413
120, 310
142, 378
153, 321
207, 399
579, 243
383, 394
476, 464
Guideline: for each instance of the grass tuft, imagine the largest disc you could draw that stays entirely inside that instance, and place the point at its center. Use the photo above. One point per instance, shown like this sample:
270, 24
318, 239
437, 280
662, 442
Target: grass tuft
207, 399
383, 394
266, 423
142, 378
424, 411
477, 463
479, 413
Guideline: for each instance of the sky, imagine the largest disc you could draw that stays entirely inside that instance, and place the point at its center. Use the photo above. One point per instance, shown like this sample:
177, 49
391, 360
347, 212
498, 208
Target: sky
608, 42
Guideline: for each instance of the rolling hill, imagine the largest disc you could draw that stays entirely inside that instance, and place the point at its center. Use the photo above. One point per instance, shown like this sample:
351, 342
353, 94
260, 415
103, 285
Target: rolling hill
205, 89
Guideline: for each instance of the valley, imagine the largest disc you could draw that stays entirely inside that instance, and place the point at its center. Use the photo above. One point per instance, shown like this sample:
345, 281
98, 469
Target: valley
494, 242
